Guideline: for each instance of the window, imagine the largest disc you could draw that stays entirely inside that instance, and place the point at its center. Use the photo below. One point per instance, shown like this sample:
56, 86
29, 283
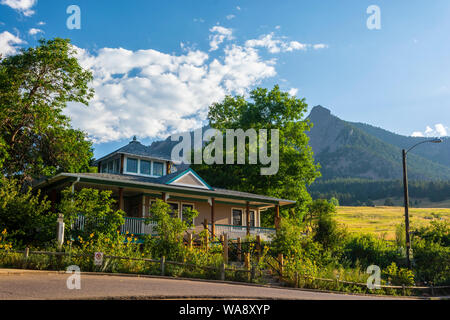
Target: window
174, 206
104, 167
145, 167
117, 166
110, 167
158, 168
237, 217
132, 165
185, 206
252, 218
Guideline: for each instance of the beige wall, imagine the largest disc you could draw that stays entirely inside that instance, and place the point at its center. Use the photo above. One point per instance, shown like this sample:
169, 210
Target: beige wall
222, 212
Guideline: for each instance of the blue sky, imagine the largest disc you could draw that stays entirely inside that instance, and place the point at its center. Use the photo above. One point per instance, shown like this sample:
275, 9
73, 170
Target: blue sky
158, 65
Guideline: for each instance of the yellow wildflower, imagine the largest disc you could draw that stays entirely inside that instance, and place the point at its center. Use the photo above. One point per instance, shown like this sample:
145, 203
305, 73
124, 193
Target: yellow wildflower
92, 235
4, 231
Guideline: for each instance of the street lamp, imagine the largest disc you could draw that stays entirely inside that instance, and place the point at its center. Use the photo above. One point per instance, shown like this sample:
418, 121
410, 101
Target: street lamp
405, 187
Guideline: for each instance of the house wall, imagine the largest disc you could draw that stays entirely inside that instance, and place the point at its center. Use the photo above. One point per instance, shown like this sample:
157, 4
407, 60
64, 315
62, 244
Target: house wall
222, 212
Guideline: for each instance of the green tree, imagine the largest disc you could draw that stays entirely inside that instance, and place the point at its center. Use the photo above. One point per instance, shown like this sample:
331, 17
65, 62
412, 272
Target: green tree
25, 216
97, 208
35, 135
170, 230
325, 227
266, 109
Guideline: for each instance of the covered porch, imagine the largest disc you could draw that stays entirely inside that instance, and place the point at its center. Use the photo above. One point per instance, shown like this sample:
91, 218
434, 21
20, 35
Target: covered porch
234, 213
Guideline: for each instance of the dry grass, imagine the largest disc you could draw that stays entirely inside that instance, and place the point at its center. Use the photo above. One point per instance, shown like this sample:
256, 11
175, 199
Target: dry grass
382, 221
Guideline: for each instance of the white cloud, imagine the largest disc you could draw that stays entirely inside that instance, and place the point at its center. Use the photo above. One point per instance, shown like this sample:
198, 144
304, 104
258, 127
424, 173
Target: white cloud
22, 6
439, 130
320, 46
230, 16
417, 134
293, 91
8, 43
154, 94
34, 31
219, 35
238, 8
41, 23
275, 44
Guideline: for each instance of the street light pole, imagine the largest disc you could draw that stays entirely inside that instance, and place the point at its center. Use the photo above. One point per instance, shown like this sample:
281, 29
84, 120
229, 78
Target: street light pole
406, 194
405, 189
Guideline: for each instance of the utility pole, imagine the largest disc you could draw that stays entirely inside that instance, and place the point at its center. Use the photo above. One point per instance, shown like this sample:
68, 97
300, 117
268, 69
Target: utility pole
405, 189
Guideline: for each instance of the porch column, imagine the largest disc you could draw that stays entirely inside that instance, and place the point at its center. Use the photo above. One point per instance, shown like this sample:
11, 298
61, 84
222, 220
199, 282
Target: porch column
143, 206
121, 204
163, 195
277, 216
213, 221
248, 218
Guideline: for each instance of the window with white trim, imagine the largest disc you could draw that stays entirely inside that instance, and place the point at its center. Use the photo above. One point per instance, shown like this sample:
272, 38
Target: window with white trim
132, 165
237, 217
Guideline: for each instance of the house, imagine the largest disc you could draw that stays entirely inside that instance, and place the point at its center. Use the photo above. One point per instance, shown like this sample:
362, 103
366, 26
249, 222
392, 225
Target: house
138, 176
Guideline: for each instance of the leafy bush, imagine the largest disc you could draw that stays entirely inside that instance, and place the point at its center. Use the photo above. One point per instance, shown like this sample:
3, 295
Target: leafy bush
398, 276
26, 217
368, 250
96, 207
171, 230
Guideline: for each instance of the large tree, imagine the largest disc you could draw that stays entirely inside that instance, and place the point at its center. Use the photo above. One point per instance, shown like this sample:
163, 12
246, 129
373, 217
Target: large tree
35, 136
266, 109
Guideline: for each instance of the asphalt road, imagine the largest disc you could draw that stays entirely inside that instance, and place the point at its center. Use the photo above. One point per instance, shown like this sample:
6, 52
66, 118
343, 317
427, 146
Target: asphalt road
42, 285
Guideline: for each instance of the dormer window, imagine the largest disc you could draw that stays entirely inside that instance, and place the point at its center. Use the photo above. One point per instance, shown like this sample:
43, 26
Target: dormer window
132, 165
146, 167
158, 169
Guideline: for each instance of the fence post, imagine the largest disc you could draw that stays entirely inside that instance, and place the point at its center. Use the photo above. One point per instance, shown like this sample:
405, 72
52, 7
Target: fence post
239, 249
190, 241
205, 225
432, 289
281, 261
297, 285
222, 272
403, 290
253, 274
163, 263
258, 246
247, 260
26, 253
60, 231
225, 248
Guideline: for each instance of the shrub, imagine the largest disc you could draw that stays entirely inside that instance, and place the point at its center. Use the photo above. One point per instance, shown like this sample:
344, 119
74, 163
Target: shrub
431, 262
369, 250
26, 217
171, 230
96, 207
398, 276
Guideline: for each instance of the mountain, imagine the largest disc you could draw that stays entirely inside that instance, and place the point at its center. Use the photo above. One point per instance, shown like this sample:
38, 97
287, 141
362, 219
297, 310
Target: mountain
356, 150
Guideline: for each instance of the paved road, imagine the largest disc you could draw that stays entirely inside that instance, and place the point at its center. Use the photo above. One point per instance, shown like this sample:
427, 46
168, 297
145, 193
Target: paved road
44, 285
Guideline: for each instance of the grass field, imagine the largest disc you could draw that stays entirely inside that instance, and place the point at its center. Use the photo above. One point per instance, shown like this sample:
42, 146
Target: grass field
382, 221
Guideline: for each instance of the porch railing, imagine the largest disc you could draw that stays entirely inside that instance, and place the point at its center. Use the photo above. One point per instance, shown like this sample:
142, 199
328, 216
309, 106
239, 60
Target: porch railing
137, 226
235, 232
